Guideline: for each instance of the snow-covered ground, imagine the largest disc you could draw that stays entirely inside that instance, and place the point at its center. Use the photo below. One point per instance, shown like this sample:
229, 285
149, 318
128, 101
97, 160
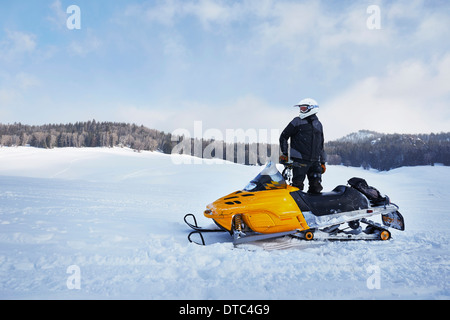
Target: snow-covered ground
108, 224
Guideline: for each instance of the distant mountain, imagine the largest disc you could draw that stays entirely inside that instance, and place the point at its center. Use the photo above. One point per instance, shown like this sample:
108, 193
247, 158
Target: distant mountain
380, 151
360, 136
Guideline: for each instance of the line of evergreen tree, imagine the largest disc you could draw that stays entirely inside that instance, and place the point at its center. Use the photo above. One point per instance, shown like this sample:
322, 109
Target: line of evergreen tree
112, 134
85, 134
388, 151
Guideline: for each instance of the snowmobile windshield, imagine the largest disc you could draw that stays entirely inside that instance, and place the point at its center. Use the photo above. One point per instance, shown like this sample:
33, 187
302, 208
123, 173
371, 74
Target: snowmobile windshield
268, 179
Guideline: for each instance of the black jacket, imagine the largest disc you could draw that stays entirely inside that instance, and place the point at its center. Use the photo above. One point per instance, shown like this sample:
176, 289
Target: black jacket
306, 139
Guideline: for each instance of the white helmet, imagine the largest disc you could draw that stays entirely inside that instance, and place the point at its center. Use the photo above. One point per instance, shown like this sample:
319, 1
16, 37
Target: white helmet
308, 107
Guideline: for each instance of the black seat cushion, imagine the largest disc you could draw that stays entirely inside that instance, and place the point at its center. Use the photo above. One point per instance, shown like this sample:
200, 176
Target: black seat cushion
341, 199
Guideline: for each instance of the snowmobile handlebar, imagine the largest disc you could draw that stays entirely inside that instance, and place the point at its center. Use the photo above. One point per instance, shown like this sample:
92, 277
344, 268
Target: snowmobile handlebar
287, 171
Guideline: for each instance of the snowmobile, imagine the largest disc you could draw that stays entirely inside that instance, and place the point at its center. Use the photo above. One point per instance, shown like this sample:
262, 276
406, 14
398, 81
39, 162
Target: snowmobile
270, 207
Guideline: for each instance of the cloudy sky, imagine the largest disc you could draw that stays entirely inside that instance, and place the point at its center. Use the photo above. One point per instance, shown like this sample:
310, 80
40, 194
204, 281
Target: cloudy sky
230, 64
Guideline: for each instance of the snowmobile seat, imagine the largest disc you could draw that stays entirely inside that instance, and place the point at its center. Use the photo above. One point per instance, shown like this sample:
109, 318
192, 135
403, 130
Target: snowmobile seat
338, 191
341, 199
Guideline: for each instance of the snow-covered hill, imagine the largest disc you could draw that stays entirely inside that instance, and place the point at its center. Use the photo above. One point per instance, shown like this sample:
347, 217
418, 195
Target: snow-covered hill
108, 224
360, 136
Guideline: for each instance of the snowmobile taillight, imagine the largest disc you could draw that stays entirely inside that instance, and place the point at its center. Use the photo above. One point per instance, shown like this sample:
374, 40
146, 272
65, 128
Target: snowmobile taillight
369, 211
208, 212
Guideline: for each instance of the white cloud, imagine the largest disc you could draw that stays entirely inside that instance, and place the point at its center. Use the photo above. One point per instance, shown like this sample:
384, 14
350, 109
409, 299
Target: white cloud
433, 27
174, 46
409, 98
89, 44
16, 45
14, 87
307, 30
7, 96
169, 12
208, 11
163, 13
59, 16
402, 9
288, 23
246, 113
26, 80
292, 24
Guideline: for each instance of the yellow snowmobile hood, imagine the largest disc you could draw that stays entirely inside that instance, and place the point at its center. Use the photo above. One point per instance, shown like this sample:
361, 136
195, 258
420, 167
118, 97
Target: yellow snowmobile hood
266, 211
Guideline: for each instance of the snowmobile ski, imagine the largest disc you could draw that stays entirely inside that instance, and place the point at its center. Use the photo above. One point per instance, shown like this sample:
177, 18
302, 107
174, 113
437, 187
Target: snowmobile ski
200, 235
198, 231
195, 226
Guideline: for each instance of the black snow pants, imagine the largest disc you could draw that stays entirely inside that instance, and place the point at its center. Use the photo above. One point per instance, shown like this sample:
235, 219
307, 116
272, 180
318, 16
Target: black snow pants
310, 169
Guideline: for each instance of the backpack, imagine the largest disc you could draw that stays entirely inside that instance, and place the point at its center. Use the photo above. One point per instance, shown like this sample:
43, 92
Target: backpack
370, 192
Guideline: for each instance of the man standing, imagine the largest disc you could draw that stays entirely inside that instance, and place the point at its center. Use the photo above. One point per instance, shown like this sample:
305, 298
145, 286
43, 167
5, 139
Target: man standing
307, 152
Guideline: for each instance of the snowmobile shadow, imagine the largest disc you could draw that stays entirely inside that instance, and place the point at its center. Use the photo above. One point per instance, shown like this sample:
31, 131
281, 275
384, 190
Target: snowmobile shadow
282, 243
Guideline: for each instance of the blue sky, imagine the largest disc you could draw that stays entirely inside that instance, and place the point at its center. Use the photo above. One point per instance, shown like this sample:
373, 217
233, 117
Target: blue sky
230, 64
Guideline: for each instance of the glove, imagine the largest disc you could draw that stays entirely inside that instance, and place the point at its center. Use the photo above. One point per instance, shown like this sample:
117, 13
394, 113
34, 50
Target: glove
283, 159
324, 168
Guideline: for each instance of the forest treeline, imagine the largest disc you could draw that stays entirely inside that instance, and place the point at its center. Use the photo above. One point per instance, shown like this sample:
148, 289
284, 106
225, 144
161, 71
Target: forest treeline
85, 134
112, 134
370, 149
365, 149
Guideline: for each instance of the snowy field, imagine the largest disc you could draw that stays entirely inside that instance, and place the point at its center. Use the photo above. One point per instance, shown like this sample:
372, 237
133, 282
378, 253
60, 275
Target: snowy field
108, 224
